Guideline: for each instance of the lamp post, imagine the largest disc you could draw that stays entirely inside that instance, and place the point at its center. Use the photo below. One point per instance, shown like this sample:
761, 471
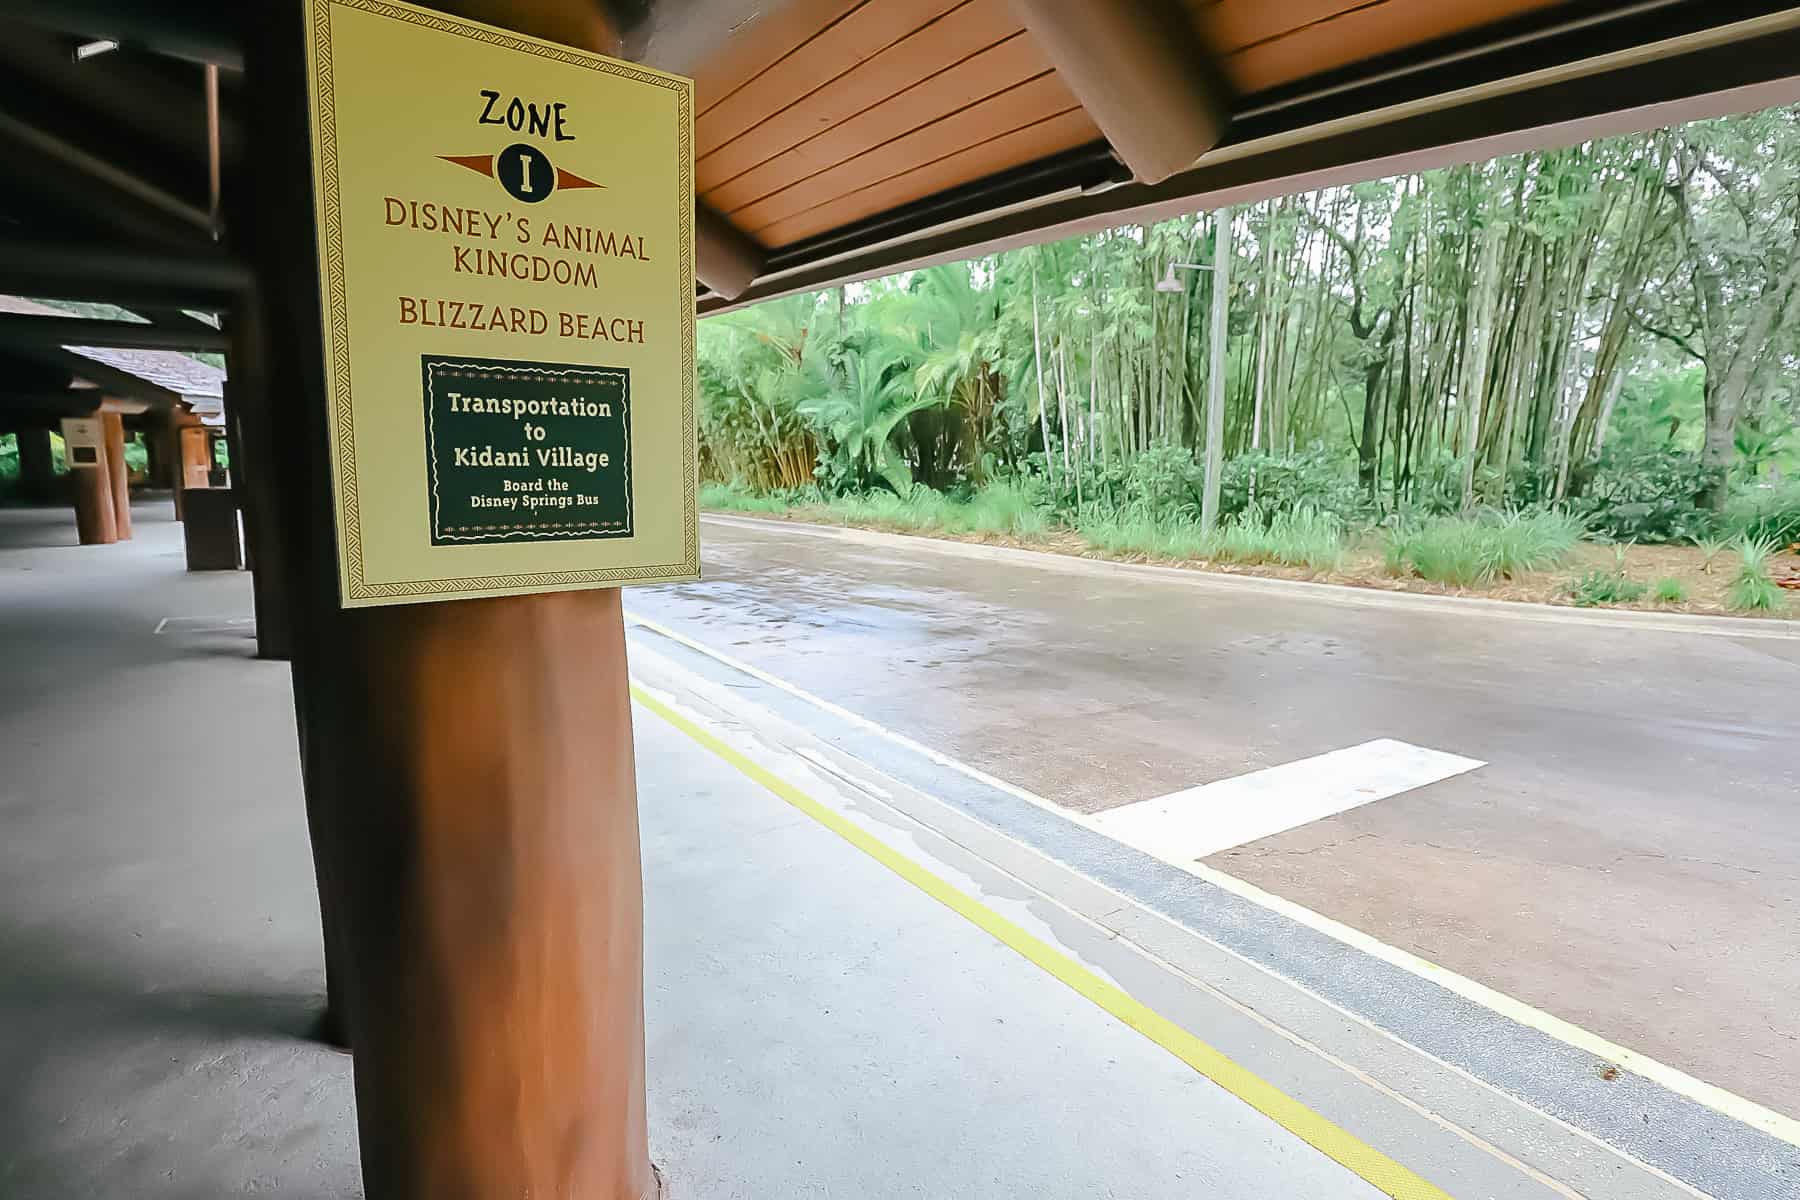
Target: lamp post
1215, 389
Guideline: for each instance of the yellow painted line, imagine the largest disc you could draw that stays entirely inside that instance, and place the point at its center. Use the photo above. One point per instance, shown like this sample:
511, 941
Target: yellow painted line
1333, 1141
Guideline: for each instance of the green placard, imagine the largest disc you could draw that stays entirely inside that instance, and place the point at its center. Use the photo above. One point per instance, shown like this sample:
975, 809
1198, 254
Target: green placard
526, 451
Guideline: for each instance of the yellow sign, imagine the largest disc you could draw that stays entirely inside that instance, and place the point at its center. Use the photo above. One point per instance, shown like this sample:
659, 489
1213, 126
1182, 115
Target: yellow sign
506, 256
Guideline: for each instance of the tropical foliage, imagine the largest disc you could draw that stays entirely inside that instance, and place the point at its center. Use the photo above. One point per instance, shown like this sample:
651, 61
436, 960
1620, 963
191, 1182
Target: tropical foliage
1605, 330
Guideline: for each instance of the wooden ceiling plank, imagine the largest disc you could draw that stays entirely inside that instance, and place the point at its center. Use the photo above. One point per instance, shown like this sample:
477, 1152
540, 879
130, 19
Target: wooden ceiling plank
1012, 109
934, 48
776, 32
987, 73
1141, 73
1364, 32
859, 36
1028, 144
1230, 25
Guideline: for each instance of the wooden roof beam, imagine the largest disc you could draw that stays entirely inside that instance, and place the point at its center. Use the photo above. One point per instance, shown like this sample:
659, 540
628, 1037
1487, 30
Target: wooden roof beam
725, 259
201, 277
29, 331
1140, 71
43, 407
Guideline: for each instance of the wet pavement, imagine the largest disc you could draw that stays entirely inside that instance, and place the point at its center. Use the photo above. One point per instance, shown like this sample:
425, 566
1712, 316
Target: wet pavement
1628, 859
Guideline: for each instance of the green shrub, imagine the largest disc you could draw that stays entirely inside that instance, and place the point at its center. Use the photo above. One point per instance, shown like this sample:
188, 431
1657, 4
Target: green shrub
1710, 549
1164, 481
1771, 513
1608, 587
1311, 478
1469, 551
1644, 496
1669, 591
1752, 589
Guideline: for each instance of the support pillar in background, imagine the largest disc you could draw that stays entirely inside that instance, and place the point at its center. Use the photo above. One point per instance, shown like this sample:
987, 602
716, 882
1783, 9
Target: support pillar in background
37, 468
195, 455
171, 474
96, 521
118, 476
471, 796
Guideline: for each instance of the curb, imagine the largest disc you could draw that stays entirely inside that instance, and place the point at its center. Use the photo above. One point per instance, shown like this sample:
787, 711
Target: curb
1329, 593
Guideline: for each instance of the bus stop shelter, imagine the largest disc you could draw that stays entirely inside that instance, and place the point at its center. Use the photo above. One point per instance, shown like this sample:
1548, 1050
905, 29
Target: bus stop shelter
453, 753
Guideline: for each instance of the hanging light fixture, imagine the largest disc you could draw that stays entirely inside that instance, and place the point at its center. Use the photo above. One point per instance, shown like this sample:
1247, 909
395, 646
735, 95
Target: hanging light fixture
1168, 283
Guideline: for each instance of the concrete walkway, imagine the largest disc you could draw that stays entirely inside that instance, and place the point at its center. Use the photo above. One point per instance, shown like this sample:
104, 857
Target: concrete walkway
850, 994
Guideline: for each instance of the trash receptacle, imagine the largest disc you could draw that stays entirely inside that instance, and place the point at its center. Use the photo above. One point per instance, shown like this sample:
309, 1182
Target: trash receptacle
210, 525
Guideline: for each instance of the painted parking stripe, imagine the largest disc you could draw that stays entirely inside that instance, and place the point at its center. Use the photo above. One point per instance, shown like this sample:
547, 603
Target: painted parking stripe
1204, 820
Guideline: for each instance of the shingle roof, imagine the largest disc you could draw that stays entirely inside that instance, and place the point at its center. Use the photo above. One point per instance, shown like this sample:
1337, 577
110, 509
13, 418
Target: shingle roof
201, 385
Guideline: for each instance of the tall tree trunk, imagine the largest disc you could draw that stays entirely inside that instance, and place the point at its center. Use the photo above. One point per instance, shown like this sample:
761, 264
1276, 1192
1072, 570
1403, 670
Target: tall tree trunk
1037, 353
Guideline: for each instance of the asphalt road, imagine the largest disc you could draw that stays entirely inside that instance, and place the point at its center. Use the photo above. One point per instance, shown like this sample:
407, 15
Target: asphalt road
1628, 859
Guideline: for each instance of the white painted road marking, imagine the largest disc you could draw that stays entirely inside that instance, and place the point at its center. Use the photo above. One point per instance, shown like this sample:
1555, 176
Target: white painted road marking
1204, 820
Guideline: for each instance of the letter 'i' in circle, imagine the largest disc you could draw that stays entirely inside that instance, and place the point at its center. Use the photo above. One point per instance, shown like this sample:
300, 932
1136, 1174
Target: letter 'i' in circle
525, 172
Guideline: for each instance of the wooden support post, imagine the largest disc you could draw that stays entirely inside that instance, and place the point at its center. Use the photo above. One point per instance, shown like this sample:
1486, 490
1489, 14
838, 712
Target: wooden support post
37, 469
196, 456
118, 477
168, 438
1138, 70
96, 520
253, 479
471, 797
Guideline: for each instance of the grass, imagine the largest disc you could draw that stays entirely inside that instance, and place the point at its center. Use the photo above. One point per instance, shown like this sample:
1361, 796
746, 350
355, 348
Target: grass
1752, 589
1000, 508
726, 497
1005, 508
1302, 537
1141, 535
1472, 551
1669, 591
1298, 537
1608, 587
997, 509
1538, 558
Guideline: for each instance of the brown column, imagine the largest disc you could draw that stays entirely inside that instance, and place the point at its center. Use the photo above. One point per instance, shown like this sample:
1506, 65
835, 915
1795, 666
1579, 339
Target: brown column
471, 797
96, 520
119, 478
37, 469
168, 438
196, 456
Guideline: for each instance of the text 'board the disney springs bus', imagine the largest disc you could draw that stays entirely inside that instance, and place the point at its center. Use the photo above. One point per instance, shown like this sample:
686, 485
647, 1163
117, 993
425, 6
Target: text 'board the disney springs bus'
506, 255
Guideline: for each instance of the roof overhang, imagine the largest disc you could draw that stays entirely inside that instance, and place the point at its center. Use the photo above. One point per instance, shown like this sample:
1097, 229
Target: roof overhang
842, 139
